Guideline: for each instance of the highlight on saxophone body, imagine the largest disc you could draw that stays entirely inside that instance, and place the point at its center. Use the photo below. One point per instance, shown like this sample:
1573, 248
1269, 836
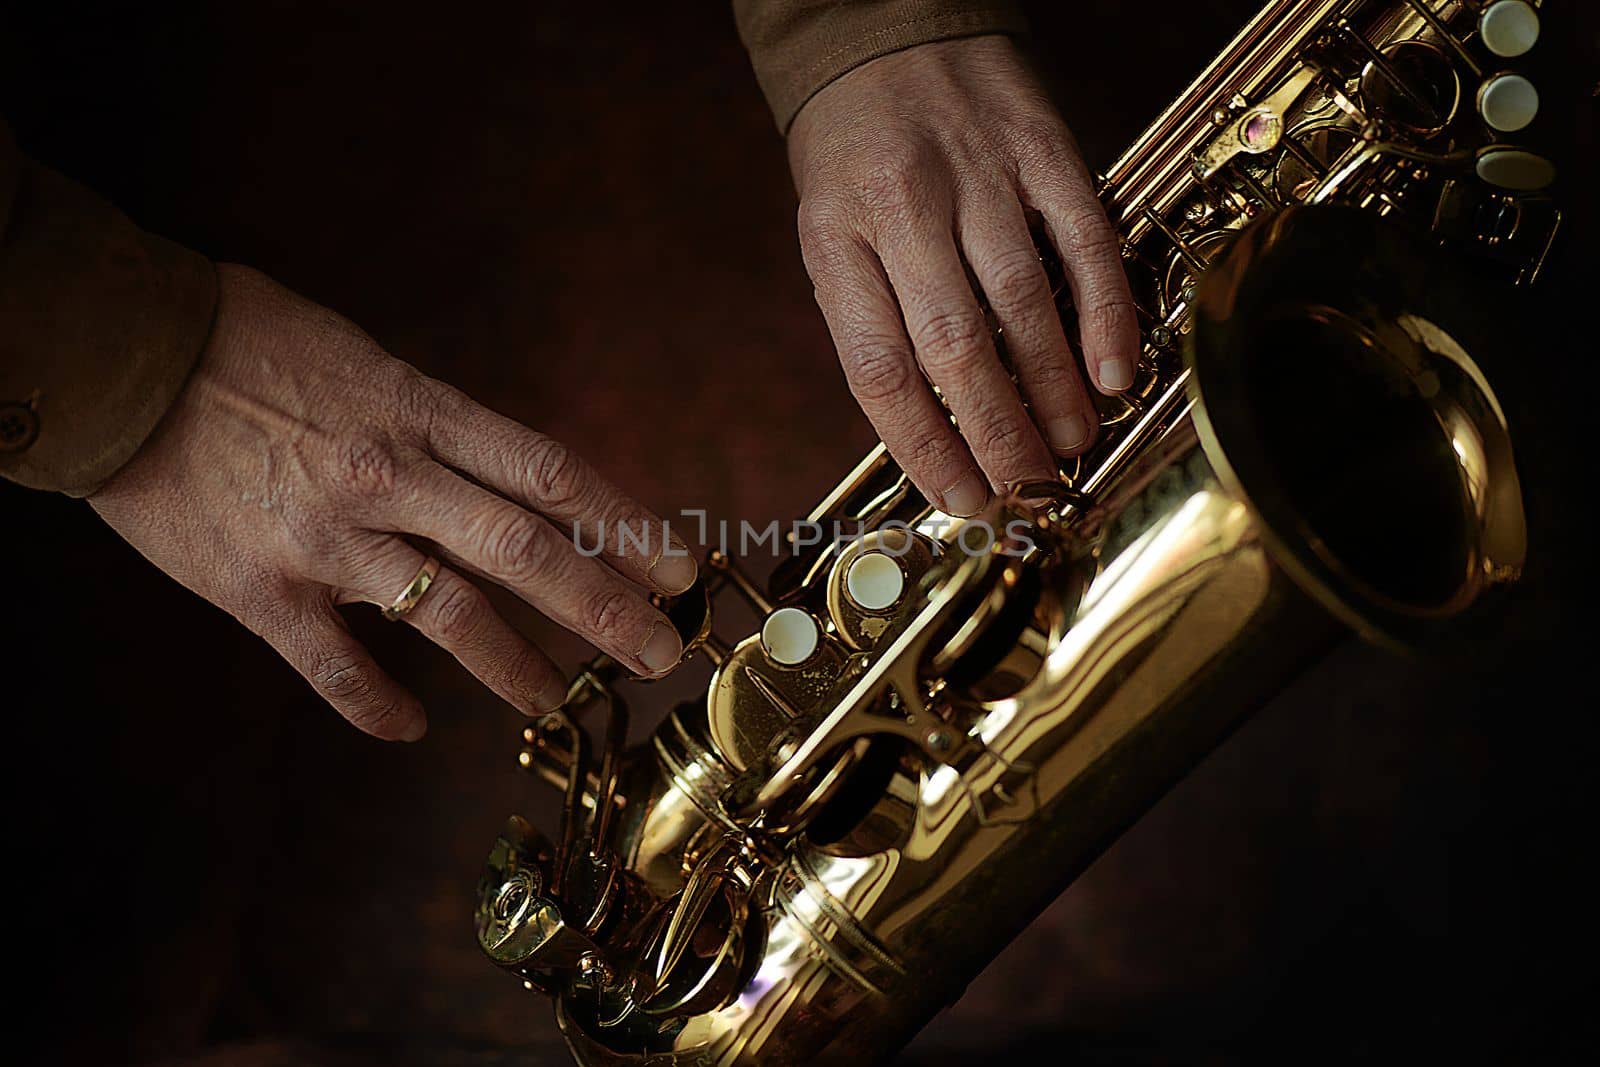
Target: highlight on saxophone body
922, 744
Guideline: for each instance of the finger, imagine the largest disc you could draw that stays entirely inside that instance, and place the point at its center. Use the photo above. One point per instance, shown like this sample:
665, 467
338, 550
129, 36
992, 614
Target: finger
546, 477
318, 644
455, 615
529, 556
999, 247
953, 345
883, 375
1057, 184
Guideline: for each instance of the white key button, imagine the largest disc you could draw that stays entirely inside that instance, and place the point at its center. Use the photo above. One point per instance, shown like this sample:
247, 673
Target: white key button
874, 581
1512, 168
1508, 102
1509, 27
790, 636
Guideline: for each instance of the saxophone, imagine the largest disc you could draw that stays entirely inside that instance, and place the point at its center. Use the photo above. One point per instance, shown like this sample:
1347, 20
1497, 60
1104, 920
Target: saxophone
940, 722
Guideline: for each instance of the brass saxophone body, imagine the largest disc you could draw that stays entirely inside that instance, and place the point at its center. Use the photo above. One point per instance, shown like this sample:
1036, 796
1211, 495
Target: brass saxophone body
940, 723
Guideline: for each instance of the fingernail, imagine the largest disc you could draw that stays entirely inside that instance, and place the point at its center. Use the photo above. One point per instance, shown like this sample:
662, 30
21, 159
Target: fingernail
415, 729
1116, 374
674, 573
1067, 432
967, 496
543, 703
661, 650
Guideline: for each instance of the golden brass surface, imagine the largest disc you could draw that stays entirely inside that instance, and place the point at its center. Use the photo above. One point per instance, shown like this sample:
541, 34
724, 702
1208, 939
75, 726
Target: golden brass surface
809, 863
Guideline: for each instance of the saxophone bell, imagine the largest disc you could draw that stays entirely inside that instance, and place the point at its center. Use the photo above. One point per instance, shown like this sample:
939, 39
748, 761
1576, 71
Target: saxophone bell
1337, 391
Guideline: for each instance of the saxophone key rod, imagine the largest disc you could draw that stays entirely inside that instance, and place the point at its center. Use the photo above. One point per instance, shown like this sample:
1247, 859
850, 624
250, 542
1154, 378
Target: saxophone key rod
1424, 11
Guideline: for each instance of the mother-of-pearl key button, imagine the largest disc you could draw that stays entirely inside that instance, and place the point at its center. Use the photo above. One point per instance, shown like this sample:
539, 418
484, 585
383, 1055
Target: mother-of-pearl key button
790, 636
1512, 168
1508, 102
1509, 27
874, 581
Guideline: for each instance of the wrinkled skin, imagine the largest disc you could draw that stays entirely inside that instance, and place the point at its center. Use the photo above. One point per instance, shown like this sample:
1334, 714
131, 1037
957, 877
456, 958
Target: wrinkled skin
910, 168
302, 468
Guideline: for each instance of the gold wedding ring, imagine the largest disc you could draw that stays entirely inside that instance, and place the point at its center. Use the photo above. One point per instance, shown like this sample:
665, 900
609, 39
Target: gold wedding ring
413, 592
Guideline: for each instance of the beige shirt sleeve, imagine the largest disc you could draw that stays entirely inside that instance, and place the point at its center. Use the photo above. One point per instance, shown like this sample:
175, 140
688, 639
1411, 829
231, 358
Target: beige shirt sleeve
100, 324
799, 46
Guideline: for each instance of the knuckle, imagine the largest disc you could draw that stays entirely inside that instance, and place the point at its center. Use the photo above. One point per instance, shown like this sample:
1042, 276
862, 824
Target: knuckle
892, 184
1002, 438
608, 615
522, 670
1110, 328
953, 339
342, 677
368, 466
518, 548
1051, 377
820, 224
457, 613
1041, 142
1090, 240
1114, 318
379, 717
877, 370
555, 476
932, 455
1017, 279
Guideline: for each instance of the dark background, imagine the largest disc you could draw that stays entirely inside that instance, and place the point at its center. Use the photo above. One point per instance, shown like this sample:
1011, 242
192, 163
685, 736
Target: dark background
582, 216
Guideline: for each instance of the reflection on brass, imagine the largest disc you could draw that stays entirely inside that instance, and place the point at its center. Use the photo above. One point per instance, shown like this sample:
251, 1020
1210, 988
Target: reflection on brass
902, 764
754, 702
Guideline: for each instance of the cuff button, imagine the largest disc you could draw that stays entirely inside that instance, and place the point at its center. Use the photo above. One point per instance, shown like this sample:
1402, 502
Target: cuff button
19, 427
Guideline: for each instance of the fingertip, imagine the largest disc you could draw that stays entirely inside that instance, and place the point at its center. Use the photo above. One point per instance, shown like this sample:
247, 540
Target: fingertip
1111, 345
1069, 434
414, 727
675, 572
1114, 375
661, 650
967, 497
547, 699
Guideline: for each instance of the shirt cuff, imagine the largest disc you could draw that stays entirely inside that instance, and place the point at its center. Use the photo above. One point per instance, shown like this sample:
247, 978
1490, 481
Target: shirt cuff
799, 46
100, 324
